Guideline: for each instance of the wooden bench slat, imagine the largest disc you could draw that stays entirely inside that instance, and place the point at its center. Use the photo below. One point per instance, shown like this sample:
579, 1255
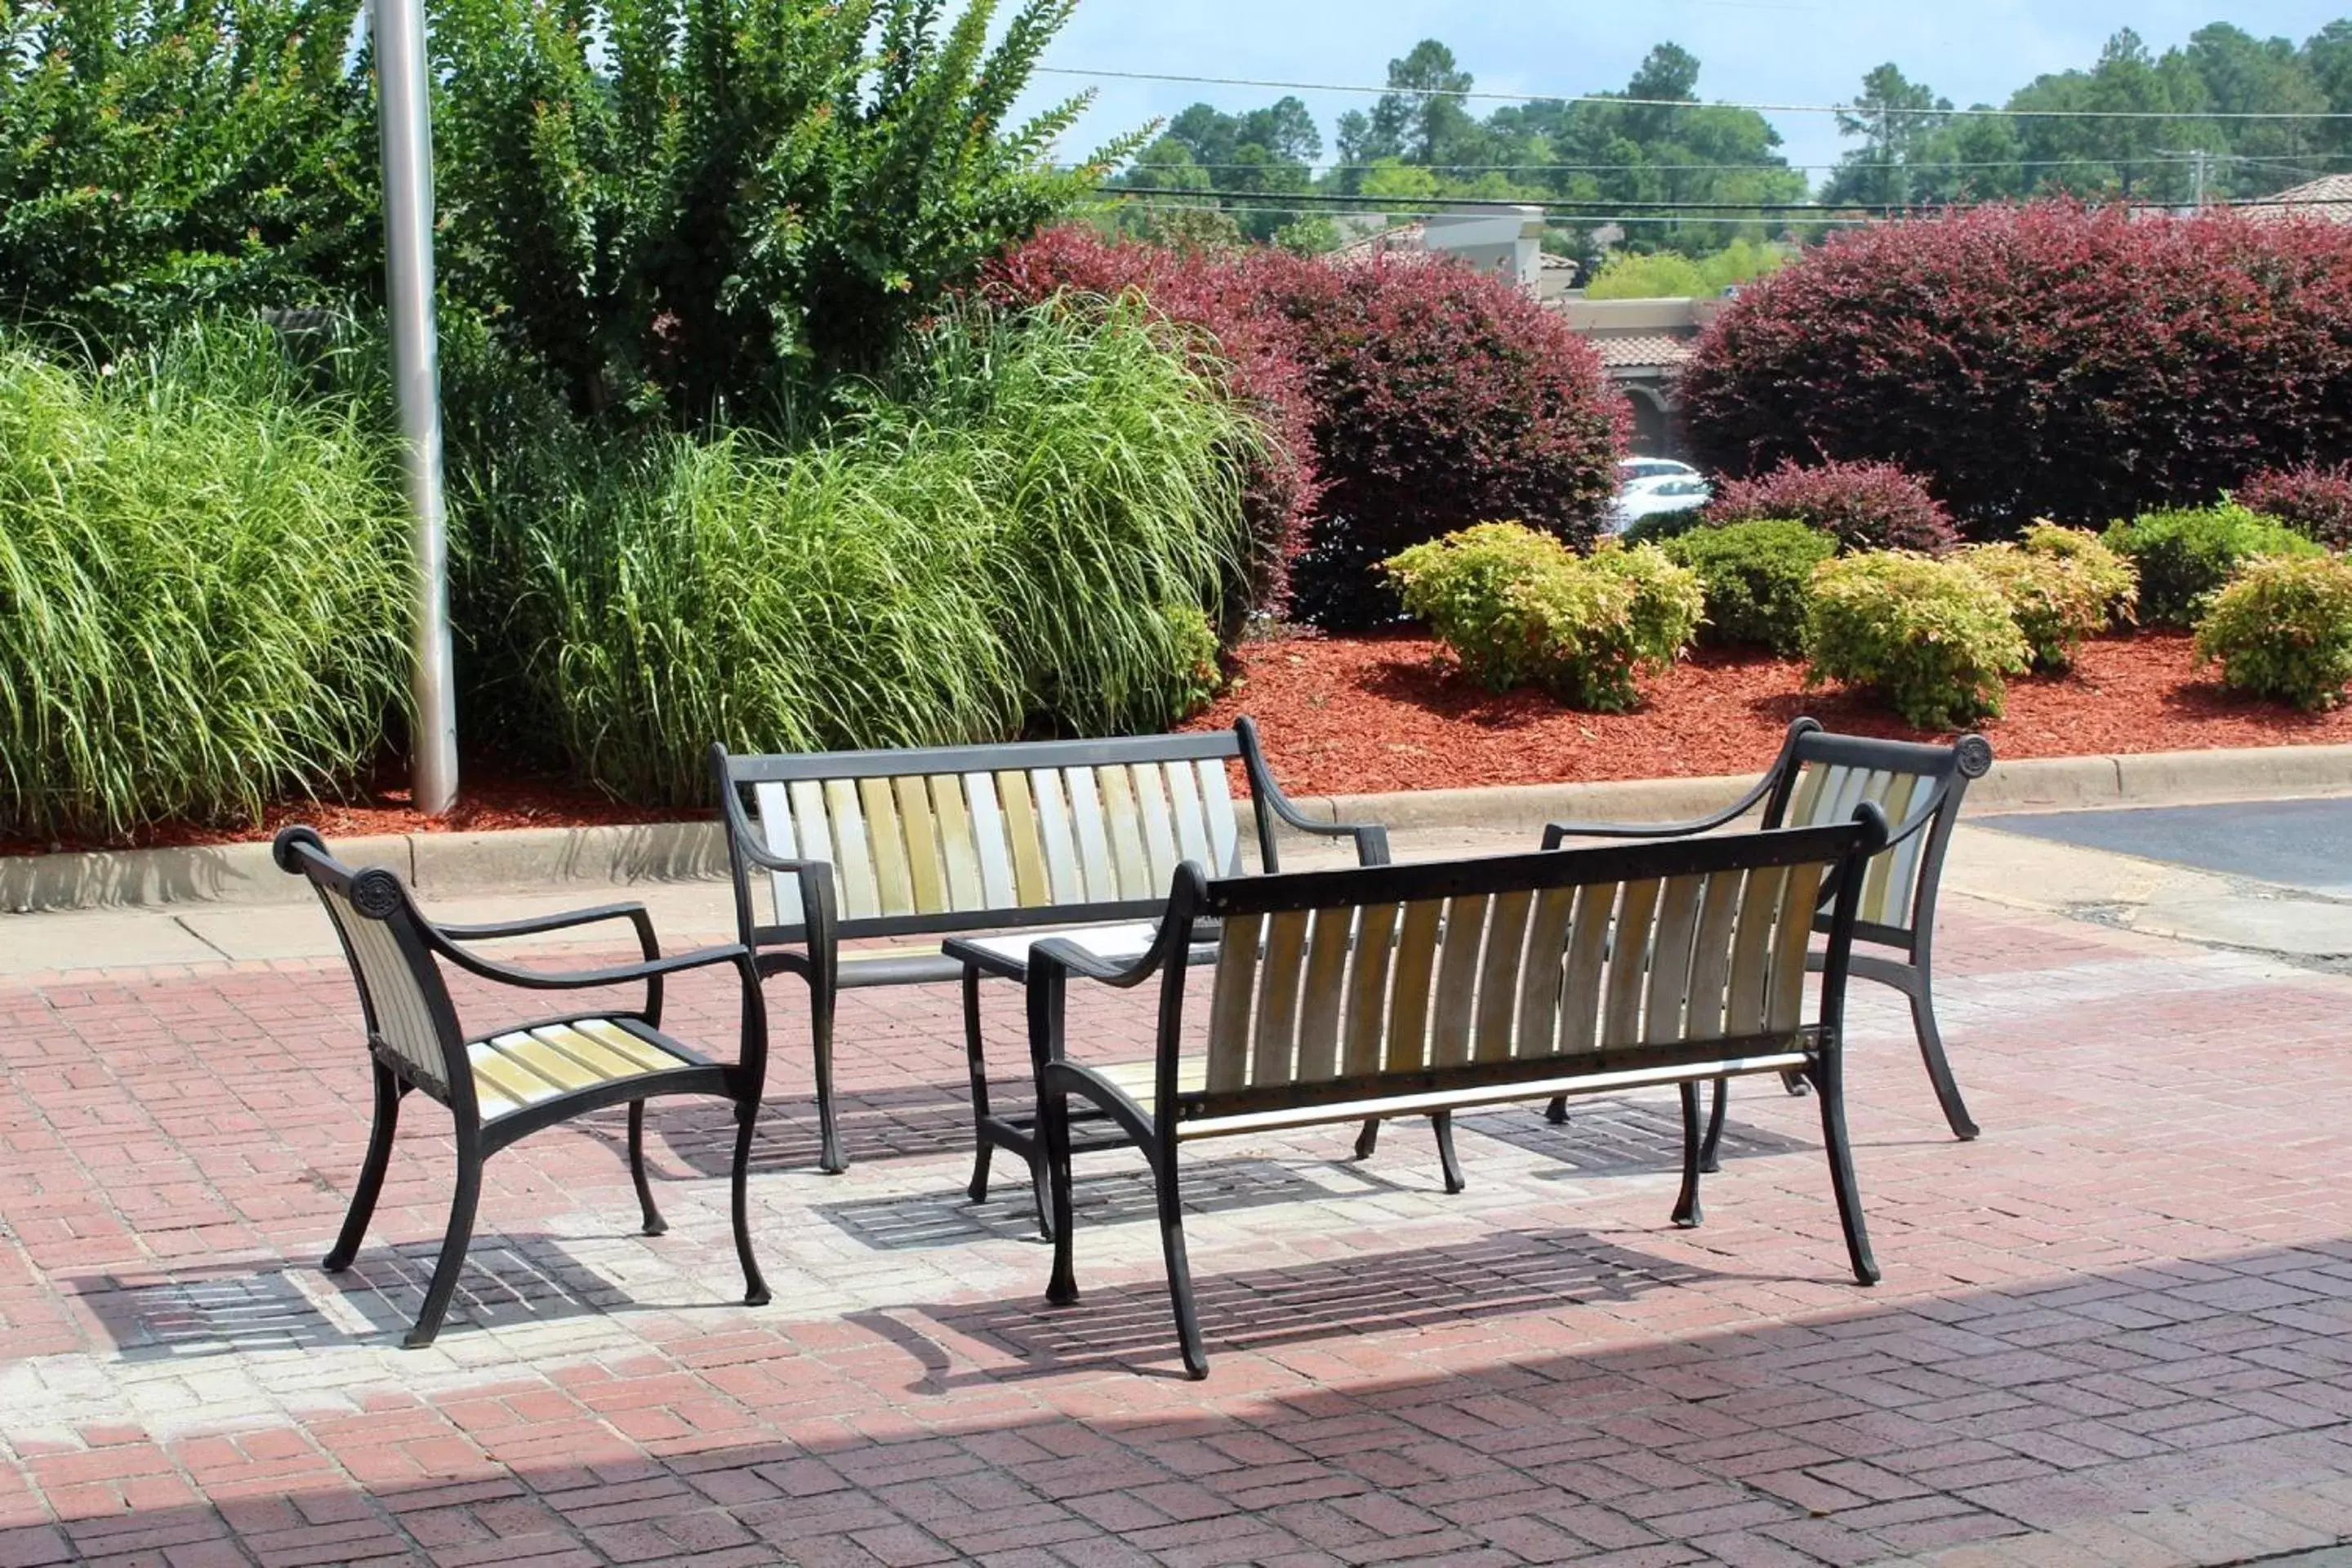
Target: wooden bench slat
1056, 836
1030, 886
959, 853
1887, 892
1621, 1016
1124, 818
1159, 824
1192, 823
1224, 823
1760, 907
1093, 843
1366, 1024
1670, 960
894, 884
1498, 976
921, 825
852, 856
776, 835
1280, 970
991, 842
1416, 961
1458, 980
1711, 946
1548, 928
1792, 935
1323, 997
1588, 957
1231, 1000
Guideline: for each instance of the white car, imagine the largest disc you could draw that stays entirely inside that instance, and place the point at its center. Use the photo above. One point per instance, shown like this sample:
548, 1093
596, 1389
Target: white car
1632, 468
1640, 497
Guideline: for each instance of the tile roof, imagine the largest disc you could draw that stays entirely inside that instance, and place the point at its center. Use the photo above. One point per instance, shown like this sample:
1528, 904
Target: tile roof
1637, 349
2329, 196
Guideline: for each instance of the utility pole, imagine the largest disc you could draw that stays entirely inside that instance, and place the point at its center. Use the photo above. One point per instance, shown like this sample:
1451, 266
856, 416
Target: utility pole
404, 123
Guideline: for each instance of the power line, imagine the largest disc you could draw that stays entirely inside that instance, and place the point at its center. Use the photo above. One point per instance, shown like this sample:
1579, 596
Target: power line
1345, 201
1850, 110
1834, 218
2294, 162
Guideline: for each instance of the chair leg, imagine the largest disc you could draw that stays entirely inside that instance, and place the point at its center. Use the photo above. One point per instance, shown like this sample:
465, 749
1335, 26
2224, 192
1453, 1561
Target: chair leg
829, 1157
460, 1235
372, 1170
654, 1224
1557, 1111
1443, 1125
1053, 1133
1793, 1084
1830, 1080
975, 1059
755, 1288
1686, 1207
1710, 1154
1367, 1138
1180, 1269
1939, 1071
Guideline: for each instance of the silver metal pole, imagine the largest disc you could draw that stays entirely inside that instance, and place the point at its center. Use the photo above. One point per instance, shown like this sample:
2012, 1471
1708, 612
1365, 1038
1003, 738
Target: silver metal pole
405, 123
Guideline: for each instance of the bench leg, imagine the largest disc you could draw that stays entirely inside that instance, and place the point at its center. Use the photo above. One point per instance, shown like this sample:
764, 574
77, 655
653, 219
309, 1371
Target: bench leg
655, 1224
1710, 1154
453, 1242
1367, 1138
1828, 1079
1557, 1111
755, 1288
976, 1063
821, 1006
1931, 1051
372, 1170
1686, 1207
1180, 1269
1443, 1125
1053, 1133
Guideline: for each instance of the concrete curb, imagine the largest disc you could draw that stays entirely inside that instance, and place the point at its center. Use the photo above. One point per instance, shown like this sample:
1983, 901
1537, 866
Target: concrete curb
685, 851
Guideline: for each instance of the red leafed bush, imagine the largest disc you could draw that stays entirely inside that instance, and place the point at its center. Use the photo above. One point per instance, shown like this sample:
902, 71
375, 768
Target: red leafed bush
1443, 397
2315, 502
1412, 398
2044, 360
1215, 293
1865, 506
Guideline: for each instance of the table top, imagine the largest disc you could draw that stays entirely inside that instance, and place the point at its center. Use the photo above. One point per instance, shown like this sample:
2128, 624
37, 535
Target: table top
1007, 956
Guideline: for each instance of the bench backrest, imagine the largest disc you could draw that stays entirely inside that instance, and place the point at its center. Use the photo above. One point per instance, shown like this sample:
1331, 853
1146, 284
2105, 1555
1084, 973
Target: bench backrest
968, 836
1343, 985
1822, 777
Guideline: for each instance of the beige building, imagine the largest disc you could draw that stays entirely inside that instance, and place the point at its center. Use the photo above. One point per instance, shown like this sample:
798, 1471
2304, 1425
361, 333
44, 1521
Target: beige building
1643, 344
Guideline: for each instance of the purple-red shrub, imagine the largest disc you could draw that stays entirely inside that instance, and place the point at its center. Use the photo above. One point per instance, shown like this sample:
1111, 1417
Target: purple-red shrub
2044, 360
1408, 398
1863, 506
1443, 397
2313, 500
1215, 293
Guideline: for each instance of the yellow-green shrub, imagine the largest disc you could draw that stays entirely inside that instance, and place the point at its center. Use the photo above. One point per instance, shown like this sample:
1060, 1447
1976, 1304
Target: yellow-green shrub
2282, 628
1932, 637
2057, 593
1516, 607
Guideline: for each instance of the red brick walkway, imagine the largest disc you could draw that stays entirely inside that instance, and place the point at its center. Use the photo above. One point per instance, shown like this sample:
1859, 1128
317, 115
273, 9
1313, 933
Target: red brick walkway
2117, 1330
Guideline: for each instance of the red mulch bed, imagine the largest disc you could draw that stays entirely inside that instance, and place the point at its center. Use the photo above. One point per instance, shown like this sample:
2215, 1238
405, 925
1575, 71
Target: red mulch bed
1365, 715
490, 798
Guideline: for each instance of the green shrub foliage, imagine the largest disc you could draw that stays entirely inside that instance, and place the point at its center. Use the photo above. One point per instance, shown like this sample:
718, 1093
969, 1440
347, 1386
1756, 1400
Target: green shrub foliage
1023, 533
1932, 637
1517, 607
2183, 558
2115, 578
2284, 629
1758, 578
203, 587
158, 161
2055, 602
707, 204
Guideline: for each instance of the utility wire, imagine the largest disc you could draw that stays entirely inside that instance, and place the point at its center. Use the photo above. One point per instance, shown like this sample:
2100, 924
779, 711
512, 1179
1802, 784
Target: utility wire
1320, 200
2291, 162
1850, 110
1836, 218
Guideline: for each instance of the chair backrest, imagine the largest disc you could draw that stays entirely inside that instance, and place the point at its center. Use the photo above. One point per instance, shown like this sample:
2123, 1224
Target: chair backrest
1823, 776
966, 837
1336, 983
411, 1023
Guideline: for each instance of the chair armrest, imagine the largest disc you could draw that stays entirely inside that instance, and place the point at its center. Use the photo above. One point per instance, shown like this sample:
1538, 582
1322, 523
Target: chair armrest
537, 925
650, 970
1067, 954
1556, 831
1372, 838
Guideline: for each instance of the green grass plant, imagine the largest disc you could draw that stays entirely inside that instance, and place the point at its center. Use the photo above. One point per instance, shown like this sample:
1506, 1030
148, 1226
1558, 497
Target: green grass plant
202, 587
1016, 533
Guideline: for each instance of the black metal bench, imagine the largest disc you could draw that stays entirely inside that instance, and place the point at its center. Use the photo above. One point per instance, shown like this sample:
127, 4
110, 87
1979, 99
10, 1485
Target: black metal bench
1820, 777
928, 844
1419, 989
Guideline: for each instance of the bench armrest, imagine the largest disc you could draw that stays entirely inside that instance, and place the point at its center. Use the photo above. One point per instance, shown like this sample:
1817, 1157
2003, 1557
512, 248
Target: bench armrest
1557, 831
1066, 955
652, 971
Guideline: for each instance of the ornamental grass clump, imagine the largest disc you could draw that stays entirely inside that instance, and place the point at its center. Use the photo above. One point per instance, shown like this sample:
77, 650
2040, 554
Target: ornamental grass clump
1932, 638
2184, 557
1758, 579
1516, 607
1020, 533
203, 588
2284, 629
2058, 593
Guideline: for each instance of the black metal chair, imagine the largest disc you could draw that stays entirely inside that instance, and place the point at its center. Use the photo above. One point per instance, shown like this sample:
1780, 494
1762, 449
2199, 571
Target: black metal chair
1819, 778
503, 1086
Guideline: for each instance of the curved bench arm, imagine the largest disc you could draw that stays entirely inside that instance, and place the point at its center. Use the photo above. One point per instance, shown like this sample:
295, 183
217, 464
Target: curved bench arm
1556, 831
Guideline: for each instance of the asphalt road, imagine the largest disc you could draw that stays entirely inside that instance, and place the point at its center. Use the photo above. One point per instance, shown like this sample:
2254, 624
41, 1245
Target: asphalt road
2293, 843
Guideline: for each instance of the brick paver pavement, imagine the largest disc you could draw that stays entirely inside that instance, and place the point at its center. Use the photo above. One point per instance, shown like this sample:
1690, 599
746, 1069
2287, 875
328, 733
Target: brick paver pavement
2117, 1330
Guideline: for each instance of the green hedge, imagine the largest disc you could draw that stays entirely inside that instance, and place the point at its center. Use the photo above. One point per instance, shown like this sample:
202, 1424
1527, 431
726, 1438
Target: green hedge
202, 587
2184, 557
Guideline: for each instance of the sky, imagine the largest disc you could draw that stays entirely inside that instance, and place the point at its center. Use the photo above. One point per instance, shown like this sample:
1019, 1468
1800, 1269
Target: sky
1782, 51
